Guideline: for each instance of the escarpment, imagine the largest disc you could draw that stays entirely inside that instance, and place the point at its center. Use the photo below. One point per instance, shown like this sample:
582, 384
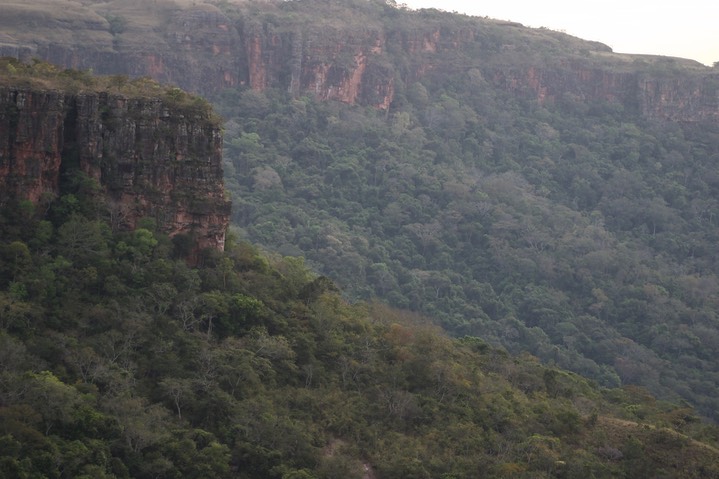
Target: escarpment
363, 53
151, 158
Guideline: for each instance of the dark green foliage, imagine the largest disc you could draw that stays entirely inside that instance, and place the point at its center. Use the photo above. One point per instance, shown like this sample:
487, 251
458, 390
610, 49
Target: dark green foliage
125, 363
578, 233
577, 230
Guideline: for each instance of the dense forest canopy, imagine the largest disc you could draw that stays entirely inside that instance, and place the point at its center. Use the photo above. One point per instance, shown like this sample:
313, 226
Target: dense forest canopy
581, 230
551, 205
117, 360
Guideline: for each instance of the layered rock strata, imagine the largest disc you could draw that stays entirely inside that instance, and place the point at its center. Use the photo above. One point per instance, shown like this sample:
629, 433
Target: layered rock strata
152, 160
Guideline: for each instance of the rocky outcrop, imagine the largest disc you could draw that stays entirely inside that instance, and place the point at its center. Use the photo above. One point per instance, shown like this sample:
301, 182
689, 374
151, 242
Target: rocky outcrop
153, 159
685, 98
688, 97
201, 49
195, 48
331, 65
570, 84
360, 59
31, 139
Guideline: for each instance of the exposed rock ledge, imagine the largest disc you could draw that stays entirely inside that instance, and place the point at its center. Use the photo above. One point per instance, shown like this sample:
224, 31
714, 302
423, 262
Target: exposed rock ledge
151, 158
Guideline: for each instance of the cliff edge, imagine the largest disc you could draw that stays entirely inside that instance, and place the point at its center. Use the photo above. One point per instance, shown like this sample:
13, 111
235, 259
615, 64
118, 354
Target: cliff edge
156, 153
357, 52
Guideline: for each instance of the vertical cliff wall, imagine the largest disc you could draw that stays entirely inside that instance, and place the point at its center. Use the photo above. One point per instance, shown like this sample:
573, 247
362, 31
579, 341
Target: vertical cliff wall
354, 52
152, 159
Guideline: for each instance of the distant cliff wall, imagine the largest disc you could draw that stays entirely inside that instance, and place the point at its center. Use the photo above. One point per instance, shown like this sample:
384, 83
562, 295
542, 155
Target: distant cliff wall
151, 159
677, 97
204, 49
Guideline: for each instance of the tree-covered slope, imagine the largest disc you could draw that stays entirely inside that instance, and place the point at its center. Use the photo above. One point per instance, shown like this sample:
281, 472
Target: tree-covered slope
536, 212
117, 360
521, 186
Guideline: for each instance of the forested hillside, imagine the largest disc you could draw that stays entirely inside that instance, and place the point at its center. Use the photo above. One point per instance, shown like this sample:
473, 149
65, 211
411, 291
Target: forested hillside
549, 204
521, 185
117, 360
580, 228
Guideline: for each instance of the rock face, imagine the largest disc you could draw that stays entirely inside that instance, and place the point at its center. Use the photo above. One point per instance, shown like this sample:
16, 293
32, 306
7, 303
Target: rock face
153, 160
689, 97
31, 139
195, 48
350, 54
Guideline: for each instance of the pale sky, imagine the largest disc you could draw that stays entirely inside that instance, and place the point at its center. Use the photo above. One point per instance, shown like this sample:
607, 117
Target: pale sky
687, 29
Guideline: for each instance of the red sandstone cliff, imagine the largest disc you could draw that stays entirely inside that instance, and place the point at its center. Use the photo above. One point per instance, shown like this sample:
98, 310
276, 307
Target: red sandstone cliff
153, 159
351, 52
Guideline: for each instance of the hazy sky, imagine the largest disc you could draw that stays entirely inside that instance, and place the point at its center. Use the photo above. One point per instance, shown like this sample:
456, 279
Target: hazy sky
688, 29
